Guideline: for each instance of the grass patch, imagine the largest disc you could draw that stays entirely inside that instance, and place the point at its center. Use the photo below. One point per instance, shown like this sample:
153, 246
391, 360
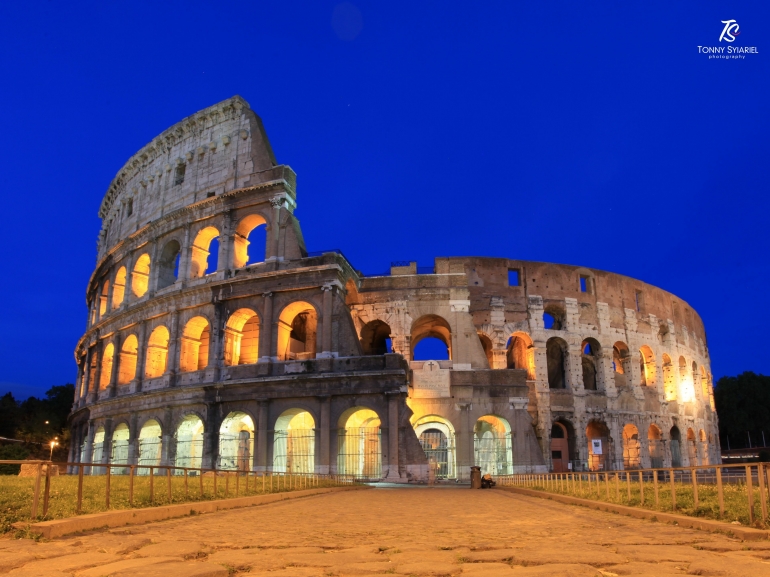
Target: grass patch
16, 494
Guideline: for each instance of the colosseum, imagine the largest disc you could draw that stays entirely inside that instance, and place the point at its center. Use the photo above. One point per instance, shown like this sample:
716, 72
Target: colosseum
216, 339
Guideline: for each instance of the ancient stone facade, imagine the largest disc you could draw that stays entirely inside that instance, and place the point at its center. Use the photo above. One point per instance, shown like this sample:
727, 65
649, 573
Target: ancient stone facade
216, 339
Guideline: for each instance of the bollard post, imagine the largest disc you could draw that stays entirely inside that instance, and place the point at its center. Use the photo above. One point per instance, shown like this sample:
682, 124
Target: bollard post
47, 490
80, 490
655, 484
673, 490
36, 497
641, 488
750, 493
607, 484
152, 484
694, 487
720, 493
130, 485
108, 478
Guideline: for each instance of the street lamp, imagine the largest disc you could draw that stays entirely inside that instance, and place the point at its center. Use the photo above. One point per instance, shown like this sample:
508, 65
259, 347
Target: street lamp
54, 443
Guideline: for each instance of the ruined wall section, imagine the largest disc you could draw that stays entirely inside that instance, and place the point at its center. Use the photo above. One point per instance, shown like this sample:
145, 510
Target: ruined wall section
219, 149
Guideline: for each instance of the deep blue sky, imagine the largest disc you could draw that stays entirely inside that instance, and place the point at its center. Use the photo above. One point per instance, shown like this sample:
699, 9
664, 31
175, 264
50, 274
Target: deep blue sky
587, 133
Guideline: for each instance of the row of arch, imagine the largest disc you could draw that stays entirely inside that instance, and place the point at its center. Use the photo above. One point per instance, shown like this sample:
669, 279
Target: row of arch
601, 452
249, 246
297, 338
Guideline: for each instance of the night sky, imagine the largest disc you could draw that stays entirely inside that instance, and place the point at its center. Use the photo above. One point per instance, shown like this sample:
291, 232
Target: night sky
590, 133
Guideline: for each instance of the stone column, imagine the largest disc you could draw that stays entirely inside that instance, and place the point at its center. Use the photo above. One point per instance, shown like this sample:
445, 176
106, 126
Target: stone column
216, 356
326, 336
113, 386
167, 439
87, 385
224, 258
107, 445
465, 448
172, 363
98, 351
186, 258
128, 294
324, 461
89, 446
393, 436
260, 458
211, 436
275, 227
133, 439
266, 329
152, 281
141, 354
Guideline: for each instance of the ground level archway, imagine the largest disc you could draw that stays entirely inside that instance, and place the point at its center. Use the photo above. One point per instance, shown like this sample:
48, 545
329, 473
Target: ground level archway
493, 449
437, 439
236, 442
294, 442
359, 451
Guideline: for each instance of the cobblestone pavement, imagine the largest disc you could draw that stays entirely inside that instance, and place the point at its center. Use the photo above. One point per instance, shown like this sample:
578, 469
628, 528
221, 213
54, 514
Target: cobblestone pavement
411, 531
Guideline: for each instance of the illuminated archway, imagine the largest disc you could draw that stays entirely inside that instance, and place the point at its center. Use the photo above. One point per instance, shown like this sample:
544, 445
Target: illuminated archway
236, 442
431, 326
359, 444
128, 357
294, 442
242, 338
704, 447
246, 233
104, 298
669, 379
108, 357
97, 453
157, 353
119, 453
562, 445
168, 264
647, 366
655, 446
493, 447
194, 353
119, 289
297, 331
140, 276
692, 448
437, 439
189, 442
599, 446
632, 456
375, 338
676, 449
150, 446
520, 354
202, 261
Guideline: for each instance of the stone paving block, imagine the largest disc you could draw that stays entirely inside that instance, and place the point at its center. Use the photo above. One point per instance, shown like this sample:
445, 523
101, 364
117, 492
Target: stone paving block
640, 569
177, 569
73, 562
171, 549
487, 569
556, 569
732, 565
138, 566
427, 568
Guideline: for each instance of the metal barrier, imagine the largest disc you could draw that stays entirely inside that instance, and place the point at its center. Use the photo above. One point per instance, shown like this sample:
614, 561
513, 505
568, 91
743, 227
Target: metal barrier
265, 482
606, 485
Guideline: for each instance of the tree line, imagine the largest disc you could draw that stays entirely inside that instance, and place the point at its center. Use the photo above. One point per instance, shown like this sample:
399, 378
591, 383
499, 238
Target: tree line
743, 408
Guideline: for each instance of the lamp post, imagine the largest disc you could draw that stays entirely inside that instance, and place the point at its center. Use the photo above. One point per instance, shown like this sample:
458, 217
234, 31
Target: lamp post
54, 443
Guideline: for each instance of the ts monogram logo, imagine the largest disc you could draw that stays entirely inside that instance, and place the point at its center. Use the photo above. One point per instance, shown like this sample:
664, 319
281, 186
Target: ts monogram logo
730, 31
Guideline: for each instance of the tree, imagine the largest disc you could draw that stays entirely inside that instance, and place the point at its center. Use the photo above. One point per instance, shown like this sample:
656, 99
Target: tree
9, 415
743, 406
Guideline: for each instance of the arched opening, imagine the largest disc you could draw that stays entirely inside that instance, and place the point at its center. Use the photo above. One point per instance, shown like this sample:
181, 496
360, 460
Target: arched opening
157, 353
108, 357
486, 345
104, 298
676, 450
128, 355
236, 442
621, 364
189, 443
203, 255
359, 444
655, 446
242, 338
431, 327
140, 276
590, 361
704, 447
553, 317
168, 264
647, 366
562, 441
669, 380
520, 354
632, 454
297, 332
194, 345
437, 439
351, 293
555, 353
119, 454
686, 389
692, 448
150, 444
695, 377
375, 338
704, 383
249, 241
97, 454
294, 442
493, 447
599, 449
119, 290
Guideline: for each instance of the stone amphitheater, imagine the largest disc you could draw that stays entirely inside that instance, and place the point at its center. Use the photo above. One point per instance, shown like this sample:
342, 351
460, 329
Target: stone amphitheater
216, 339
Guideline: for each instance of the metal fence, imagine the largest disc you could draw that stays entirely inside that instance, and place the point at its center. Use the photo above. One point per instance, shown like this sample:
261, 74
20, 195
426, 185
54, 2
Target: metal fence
294, 451
360, 453
700, 490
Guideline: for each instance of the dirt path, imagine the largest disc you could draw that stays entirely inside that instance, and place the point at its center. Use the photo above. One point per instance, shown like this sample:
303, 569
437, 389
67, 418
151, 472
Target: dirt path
414, 531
